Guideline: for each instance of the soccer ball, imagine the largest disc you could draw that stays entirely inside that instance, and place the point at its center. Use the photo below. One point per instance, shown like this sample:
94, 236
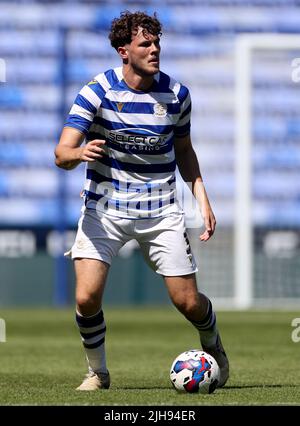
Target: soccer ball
195, 371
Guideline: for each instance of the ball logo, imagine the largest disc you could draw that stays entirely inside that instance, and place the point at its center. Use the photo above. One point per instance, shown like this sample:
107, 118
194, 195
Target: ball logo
160, 109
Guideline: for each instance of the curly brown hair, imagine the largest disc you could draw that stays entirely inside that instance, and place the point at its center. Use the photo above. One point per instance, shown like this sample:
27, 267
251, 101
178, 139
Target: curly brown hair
124, 27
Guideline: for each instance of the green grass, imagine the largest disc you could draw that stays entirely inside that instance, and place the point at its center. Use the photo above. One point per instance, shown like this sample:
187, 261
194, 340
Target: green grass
43, 361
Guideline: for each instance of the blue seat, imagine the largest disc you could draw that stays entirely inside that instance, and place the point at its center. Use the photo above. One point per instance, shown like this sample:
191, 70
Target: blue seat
198, 46
11, 96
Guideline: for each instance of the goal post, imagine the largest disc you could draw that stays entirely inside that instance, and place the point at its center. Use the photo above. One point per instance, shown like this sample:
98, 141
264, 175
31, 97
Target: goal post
246, 45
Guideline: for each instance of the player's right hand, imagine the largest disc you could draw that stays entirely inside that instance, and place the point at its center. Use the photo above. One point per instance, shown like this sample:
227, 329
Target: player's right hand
92, 150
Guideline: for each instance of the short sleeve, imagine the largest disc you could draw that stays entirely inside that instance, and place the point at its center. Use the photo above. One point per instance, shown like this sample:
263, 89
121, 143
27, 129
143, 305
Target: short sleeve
85, 107
182, 127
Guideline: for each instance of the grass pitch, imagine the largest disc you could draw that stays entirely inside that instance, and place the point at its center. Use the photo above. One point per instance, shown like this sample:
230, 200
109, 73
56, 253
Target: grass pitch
42, 361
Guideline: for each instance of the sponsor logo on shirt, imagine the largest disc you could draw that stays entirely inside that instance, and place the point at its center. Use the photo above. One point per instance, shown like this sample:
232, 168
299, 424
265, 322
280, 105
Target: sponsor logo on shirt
150, 140
120, 106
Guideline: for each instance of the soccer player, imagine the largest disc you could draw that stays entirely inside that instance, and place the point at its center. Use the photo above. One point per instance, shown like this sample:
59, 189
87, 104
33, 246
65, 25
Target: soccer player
135, 121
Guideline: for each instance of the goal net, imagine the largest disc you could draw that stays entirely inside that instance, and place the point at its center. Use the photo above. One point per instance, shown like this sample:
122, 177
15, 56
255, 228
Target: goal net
267, 217
254, 259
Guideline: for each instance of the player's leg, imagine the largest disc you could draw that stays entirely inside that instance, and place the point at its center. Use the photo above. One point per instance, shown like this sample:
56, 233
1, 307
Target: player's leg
91, 276
166, 248
194, 305
197, 308
98, 240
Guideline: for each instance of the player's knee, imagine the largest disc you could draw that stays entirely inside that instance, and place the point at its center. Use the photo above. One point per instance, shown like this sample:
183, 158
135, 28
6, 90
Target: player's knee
187, 306
87, 304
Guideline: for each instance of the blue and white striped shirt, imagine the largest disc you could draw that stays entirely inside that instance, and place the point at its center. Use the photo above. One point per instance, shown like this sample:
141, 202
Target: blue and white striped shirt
136, 176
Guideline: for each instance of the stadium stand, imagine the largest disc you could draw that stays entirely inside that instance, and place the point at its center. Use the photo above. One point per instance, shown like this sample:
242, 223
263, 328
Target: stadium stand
53, 45
30, 42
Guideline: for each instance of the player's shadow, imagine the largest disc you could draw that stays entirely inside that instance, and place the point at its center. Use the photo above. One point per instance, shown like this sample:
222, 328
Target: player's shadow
259, 386
134, 388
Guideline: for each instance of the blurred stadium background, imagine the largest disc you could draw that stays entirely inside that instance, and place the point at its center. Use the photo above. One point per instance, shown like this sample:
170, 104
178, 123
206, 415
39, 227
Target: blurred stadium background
52, 48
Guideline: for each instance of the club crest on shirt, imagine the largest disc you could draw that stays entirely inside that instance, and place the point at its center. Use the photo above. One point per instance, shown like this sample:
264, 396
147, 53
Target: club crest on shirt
160, 109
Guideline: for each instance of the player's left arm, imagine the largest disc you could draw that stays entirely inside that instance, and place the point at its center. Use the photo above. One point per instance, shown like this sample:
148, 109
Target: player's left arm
189, 169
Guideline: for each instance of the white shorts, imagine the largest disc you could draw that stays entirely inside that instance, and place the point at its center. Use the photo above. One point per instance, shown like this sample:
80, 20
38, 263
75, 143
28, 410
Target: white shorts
163, 241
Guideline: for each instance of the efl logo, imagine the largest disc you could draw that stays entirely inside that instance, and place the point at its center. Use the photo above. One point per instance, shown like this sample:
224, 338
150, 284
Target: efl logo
2, 331
296, 332
2, 71
296, 71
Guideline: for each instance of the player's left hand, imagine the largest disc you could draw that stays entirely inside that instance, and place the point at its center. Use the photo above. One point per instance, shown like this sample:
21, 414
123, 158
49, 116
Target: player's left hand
209, 223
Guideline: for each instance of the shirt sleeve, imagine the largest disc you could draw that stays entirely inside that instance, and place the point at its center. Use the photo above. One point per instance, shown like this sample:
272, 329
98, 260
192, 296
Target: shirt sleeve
85, 107
183, 125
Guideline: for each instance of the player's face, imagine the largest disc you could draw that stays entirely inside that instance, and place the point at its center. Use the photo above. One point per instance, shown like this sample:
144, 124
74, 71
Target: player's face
143, 53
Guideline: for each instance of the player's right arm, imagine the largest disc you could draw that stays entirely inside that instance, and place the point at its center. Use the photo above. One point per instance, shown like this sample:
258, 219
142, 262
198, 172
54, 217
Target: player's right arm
69, 152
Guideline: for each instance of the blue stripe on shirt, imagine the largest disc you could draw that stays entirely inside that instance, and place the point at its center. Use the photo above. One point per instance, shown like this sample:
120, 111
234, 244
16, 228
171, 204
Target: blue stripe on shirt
183, 130
182, 94
112, 125
111, 77
186, 111
141, 149
78, 122
138, 168
126, 186
84, 103
164, 83
96, 87
137, 107
113, 203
